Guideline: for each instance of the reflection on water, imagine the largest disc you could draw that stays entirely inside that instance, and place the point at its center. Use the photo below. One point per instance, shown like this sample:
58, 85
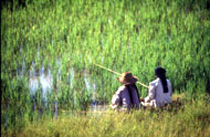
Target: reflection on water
44, 81
88, 85
99, 108
20, 72
91, 88
41, 81
58, 80
70, 77
96, 110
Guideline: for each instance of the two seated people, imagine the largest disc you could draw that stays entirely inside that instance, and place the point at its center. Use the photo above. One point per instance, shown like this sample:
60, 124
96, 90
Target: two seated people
127, 95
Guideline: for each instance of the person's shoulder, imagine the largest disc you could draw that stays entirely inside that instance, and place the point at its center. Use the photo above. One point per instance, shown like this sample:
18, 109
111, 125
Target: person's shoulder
121, 88
154, 82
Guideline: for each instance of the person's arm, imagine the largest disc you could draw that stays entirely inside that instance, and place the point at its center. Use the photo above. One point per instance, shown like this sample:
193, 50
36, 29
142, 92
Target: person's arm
152, 91
170, 88
116, 99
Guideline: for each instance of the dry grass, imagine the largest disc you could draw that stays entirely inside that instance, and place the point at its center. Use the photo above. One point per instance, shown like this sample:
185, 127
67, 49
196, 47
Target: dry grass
192, 120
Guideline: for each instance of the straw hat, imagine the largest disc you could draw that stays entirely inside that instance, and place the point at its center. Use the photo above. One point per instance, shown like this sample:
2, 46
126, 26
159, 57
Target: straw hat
127, 78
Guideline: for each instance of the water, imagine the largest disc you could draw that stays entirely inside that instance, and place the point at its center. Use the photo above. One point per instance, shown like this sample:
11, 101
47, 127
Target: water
58, 79
88, 84
96, 110
5, 122
42, 79
20, 72
69, 81
33, 81
70, 78
91, 88
46, 84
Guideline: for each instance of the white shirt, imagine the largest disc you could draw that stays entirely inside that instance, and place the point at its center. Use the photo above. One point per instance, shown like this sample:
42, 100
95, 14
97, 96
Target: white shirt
156, 95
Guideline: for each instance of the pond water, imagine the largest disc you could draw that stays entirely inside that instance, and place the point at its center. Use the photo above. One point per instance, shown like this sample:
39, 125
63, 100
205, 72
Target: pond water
44, 80
41, 79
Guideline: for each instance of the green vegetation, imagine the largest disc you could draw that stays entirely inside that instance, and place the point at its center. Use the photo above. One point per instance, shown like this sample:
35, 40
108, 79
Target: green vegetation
192, 119
67, 36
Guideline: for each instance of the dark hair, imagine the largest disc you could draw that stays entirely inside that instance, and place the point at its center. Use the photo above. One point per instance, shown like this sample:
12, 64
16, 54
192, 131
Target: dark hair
161, 73
130, 92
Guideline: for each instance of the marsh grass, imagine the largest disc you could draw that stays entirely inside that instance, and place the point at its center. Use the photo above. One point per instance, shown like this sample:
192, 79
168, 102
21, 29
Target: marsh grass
192, 120
121, 35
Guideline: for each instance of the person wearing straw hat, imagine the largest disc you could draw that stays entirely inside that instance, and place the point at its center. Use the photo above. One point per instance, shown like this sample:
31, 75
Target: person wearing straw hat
127, 96
160, 90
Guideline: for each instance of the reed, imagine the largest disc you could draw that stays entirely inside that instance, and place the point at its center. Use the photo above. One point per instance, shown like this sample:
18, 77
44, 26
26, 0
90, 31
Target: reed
56, 43
190, 119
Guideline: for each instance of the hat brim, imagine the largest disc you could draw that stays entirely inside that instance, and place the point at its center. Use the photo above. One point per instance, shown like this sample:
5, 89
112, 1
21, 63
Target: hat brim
124, 81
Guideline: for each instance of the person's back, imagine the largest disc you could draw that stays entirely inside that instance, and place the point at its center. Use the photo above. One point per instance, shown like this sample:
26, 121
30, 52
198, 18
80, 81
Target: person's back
127, 95
160, 90
161, 98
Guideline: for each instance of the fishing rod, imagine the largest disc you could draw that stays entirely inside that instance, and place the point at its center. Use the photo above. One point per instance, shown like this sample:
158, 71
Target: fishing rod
117, 73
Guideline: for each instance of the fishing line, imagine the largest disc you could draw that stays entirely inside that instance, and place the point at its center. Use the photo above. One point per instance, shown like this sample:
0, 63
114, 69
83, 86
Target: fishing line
117, 73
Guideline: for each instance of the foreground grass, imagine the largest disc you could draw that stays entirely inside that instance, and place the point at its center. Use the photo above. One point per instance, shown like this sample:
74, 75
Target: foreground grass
191, 119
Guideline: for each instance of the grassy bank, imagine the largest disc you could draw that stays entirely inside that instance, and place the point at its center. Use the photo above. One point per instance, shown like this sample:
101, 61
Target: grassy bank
192, 118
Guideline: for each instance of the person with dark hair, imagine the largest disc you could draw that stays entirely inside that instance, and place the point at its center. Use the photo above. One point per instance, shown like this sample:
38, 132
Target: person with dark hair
127, 96
160, 90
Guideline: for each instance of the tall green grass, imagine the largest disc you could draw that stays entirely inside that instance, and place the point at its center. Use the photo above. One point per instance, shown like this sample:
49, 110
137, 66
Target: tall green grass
191, 120
122, 35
